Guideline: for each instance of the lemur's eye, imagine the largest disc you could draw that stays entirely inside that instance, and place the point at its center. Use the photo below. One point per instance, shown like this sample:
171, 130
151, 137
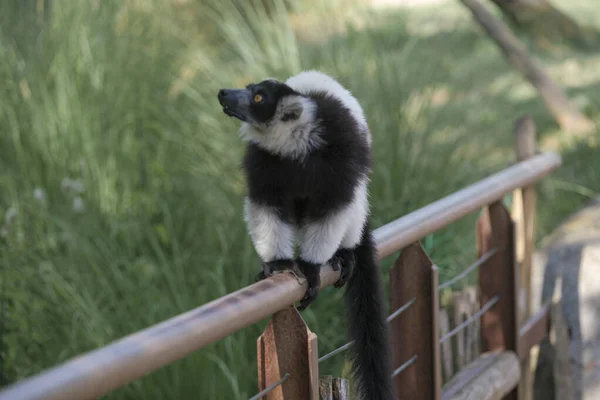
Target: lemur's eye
258, 98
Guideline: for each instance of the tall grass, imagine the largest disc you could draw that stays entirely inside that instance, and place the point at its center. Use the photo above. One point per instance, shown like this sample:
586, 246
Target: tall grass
120, 181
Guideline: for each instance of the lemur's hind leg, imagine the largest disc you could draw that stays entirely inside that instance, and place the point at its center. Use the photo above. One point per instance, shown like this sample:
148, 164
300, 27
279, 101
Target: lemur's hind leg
344, 257
320, 241
273, 239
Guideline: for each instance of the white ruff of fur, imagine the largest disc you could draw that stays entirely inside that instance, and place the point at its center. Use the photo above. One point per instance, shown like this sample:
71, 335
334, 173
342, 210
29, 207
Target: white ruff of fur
311, 80
320, 241
294, 138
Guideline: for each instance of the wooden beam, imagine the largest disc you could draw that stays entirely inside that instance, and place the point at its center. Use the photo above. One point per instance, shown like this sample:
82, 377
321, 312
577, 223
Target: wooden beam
288, 346
416, 330
490, 377
566, 113
331, 388
498, 277
534, 331
523, 214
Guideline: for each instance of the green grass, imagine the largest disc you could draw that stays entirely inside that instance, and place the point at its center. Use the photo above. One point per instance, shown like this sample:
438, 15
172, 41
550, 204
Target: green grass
122, 98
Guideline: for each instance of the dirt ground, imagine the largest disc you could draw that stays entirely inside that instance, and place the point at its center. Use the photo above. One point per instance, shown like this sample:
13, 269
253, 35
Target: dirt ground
567, 266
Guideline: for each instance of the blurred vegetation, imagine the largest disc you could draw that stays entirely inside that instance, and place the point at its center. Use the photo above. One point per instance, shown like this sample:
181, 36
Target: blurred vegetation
120, 184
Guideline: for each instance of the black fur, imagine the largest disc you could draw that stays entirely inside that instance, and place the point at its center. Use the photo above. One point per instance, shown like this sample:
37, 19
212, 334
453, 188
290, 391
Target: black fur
367, 324
312, 273
307, 189
271, 92
345, 260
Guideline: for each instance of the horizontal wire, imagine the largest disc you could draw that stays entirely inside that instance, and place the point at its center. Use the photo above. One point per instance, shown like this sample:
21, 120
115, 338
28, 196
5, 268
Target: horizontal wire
473, 317
389, 319
472, 267
407, 364
270, 388
401, 309
336, 351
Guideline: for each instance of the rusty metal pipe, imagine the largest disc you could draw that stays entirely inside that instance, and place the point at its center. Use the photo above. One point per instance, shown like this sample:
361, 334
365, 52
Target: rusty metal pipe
420, 223
98, 372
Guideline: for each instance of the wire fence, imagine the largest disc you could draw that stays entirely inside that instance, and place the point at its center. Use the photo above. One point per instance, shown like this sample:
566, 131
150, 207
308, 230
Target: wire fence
418, 335
463, 274
272, 387
472, 319
480, 261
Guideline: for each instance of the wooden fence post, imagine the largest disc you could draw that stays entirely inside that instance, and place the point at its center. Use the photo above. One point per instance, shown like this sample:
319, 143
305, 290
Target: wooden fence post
331, 388
288, 346
447, 354
415, 332
523, 214
497, 277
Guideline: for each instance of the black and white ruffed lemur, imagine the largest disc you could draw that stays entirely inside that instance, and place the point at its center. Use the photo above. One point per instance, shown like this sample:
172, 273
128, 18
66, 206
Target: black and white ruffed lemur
307, 166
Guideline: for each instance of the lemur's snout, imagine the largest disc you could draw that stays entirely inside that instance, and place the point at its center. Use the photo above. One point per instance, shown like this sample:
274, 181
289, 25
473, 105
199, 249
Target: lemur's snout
235, 103
223, 96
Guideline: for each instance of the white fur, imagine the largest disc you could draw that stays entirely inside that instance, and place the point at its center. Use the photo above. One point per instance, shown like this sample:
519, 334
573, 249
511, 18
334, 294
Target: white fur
357, 214
295, 138
273, 239
321, 240
312, 80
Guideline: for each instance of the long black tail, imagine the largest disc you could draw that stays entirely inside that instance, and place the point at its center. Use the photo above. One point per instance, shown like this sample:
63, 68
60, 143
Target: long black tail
367, 324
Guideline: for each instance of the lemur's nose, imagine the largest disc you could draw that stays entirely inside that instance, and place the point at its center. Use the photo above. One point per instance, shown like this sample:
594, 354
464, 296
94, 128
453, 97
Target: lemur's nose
222, 93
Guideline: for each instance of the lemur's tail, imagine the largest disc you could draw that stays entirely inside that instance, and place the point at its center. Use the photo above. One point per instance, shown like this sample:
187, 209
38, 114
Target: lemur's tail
367, 324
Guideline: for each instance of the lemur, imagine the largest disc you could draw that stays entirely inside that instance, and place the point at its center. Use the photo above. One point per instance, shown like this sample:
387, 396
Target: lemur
307, 165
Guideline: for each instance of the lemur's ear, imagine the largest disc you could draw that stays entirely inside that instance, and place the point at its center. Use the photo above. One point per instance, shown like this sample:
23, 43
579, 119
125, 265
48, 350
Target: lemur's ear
292, 111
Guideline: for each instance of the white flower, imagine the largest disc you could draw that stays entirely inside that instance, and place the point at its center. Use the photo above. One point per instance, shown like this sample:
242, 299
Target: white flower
11, 213
72, 185
40, 195
78, 205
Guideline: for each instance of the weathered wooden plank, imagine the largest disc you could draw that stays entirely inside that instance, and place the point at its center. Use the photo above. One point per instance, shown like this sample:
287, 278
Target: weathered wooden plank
534, 331
463, 310
415, 331
447, 357
331, 388
499, 325
562, 367
523, 214
288, 346
490, 377
472, 341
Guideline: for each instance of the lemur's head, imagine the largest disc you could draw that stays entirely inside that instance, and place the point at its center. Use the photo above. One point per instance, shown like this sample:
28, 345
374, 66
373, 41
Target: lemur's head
262, 103
274, 116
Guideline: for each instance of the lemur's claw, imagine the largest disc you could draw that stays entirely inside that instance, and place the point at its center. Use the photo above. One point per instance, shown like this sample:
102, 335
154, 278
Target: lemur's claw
273, 267
260, 276
312, 273
309, 297
343, 259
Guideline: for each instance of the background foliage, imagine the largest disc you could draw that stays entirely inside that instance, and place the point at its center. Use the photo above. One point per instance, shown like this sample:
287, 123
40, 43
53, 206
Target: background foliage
120, 186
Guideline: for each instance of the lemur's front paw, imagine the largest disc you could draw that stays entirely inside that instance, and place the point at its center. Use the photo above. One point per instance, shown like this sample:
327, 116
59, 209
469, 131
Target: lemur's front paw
343, 259
273, 267
312, 273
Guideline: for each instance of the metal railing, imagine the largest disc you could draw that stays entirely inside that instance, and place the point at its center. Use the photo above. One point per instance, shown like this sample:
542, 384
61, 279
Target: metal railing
118, 363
